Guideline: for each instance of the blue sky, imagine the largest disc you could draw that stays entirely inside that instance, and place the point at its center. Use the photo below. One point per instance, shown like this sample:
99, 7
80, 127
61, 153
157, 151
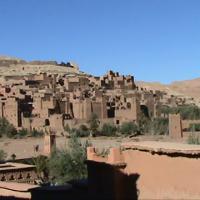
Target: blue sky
154, 40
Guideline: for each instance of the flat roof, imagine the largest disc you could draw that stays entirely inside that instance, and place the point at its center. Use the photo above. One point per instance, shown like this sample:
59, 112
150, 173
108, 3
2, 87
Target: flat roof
15, 190
13, 166
163, 147
22, 187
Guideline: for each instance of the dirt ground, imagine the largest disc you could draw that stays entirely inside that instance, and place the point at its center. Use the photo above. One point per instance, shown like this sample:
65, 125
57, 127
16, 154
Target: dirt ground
24, 148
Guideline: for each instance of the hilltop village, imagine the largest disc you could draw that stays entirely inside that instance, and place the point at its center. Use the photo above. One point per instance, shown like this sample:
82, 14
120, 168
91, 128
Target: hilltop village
36, 95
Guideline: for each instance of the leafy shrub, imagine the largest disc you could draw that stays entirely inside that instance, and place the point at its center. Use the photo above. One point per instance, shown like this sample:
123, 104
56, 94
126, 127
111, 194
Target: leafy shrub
157, 126
108, 129
67, 128
160, 126
3, 155
145, 125
128, 128
189, 112
41, 164
13, 156
194, 127
23, 133
68, 164
36, 133
193, 139
7, 129
94, 123
83, 131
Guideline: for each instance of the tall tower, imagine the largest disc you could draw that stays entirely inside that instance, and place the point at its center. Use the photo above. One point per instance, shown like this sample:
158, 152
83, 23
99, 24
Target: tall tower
49, 142
175, 126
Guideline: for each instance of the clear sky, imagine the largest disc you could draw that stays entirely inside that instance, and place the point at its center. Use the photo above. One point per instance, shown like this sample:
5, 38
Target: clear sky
154, 40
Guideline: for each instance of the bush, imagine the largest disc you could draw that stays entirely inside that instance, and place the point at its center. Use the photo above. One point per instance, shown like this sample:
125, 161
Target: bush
157, 126
94, 123
145, 125
22, 133
67, 128
189, 112
108, 129
68, 164
7, 129
13, 157
83, 131
36, 133
160, 126
193, 139
194, 127
128, 128
3, 156
41, 164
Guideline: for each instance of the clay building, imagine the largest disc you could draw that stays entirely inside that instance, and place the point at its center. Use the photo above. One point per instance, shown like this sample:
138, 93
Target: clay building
52, 99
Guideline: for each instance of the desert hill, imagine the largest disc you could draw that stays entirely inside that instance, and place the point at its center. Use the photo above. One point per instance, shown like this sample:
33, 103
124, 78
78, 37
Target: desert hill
189, 88
10, 66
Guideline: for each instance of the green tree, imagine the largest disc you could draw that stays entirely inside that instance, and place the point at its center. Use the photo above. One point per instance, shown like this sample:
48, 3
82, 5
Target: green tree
3, 156
41, 164
194, 127
36, 133
160, 126
22, 133
94, 123
128, 128
193, 139
108, 129
13, 156
7, 129
186, 111
82, 131
68, 164
144, 125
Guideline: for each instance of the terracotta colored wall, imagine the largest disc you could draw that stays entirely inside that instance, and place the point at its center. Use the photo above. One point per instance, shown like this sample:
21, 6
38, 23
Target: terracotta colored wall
164, 177
175, 126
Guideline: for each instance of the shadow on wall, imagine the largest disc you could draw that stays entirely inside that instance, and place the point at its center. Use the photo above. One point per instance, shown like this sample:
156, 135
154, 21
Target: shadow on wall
107, 181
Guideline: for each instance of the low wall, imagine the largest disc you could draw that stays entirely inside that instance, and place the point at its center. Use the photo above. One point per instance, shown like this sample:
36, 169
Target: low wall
164, 177
10, 190
165, 170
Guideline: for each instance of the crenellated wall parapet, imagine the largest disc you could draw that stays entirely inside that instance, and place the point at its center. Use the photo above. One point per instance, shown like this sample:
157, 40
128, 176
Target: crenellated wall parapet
114, 156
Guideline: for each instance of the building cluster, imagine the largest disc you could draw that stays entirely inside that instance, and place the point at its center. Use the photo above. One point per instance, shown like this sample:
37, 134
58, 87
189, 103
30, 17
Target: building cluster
35, 101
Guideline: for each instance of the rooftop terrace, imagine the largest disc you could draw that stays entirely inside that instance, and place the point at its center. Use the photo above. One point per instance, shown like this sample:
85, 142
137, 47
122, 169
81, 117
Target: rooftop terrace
163, 147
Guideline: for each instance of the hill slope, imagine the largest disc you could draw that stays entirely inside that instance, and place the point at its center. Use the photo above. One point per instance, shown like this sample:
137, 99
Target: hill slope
190, 88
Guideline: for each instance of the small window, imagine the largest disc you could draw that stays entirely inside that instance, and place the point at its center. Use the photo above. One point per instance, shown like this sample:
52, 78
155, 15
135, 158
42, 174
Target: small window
129, 105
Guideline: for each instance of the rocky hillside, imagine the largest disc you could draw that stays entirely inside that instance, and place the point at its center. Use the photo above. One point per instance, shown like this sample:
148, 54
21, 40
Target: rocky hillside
10, 66
190, 88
